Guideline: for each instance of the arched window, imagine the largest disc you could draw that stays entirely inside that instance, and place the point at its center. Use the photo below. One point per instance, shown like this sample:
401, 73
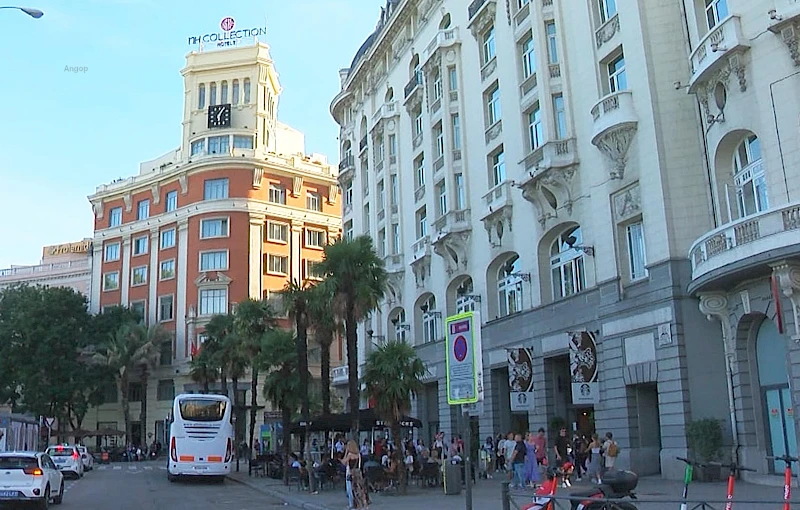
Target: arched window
246, 91
509, 287
465, 297
201, 96
347, 151
213, 95
749, 179
235, 92
389, 95
224, 92
567, 264
445, 23
400, 326
430, 331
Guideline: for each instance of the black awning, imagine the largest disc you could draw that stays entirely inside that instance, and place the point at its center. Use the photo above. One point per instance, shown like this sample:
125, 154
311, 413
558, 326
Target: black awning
368, 419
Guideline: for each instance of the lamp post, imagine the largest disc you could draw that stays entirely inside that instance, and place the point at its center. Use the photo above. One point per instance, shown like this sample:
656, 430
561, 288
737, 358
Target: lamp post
33, 13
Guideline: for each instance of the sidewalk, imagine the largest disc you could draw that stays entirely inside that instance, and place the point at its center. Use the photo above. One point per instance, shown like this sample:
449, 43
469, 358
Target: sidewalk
487, 495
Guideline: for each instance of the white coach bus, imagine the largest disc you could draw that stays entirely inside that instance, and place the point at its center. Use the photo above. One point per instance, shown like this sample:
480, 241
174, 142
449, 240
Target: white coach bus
200, 437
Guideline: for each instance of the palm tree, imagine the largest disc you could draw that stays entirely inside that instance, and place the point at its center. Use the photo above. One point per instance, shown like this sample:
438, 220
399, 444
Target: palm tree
203, 367
393, 375
326, 327
296, 298
151, 339
218, 329
253, 319
358, 278
282, 383
237, 361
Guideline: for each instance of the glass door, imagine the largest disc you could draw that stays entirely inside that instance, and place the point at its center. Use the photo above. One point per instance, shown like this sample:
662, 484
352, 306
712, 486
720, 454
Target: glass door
780, 425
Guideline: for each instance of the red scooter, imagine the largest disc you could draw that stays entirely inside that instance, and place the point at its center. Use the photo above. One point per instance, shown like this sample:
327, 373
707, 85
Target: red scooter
616, 485
735, 469
787, 477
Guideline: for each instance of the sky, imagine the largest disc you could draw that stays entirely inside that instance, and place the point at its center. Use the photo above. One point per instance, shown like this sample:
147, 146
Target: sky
63, 133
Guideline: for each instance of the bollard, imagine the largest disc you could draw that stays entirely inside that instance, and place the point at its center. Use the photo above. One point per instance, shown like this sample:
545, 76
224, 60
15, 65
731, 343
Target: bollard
506, 495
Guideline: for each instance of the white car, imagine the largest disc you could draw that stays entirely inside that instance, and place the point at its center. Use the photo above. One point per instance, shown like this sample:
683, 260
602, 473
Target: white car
67, 458
86, 457
30, 477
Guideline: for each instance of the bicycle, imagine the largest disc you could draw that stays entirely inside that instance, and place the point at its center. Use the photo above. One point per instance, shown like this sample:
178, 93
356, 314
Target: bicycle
787, 477
735, 469
688, 474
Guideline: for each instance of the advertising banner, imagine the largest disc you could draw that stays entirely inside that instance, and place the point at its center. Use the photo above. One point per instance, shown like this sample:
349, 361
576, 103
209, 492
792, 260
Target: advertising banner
464, 359
520, 379
583, 366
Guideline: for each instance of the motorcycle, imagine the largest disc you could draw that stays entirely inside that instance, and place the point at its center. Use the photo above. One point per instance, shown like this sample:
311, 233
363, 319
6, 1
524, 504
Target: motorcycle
616, 485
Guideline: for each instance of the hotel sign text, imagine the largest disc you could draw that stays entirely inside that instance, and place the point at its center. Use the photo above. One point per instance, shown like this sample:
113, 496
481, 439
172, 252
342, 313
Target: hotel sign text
228, 36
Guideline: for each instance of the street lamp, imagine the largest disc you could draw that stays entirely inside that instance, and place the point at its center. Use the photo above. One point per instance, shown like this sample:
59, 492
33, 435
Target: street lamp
33, 13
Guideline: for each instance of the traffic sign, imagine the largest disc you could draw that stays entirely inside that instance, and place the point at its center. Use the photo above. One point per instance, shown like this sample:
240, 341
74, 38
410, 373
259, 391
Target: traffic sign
464, 359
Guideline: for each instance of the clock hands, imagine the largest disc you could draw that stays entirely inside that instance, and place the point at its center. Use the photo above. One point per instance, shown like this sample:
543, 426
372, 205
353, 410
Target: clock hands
220, 114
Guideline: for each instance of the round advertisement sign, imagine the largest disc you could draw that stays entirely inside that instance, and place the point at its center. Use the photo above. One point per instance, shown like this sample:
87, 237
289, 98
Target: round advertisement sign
583, 357
460, 348
227, 24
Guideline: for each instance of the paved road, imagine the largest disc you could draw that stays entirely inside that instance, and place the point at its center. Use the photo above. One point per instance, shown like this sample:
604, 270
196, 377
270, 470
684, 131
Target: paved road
144, 486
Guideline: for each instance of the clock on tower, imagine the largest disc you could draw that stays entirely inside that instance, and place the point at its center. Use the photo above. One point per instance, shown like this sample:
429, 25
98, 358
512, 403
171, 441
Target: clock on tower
219, 116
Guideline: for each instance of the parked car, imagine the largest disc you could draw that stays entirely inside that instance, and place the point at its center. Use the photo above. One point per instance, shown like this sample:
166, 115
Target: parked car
30, 477
86, 457
67, 458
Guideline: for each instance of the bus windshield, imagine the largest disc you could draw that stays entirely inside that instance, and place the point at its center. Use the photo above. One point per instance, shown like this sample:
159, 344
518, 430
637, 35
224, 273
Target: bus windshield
199, 409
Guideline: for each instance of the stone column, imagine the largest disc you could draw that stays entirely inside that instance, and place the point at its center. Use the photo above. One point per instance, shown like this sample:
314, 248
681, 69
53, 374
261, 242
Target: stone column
125, 277
154, 275
255, 274
296, 253
181, 309
97, 276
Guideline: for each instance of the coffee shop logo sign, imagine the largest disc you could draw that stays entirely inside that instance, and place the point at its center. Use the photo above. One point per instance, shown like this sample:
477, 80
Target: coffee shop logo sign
228, 36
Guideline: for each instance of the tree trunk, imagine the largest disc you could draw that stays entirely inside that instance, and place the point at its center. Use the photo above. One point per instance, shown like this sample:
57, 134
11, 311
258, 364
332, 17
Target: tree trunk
143, 413
399, 457
253, 410
223, 377
235, 400
126, 407
302, 366
206, 382
325, 361
351, 332
286, 418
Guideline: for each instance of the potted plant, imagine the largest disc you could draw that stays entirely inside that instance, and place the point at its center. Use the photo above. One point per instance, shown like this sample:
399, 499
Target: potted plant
705, 441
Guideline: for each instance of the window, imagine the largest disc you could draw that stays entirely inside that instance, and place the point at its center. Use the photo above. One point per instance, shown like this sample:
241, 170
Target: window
418, 124
381, 195
441, 192
214, 260
567, 265
110, 396
438, 136
392, 145
608, 9
560, 117
166, 270
198, 147
215, 189
313, 270
171, 201
277, 195
528, 58
509, 288
348, 230
139, 275
366, 218
535, 129
437, 85
394, 190
400, 326
235, 92
488, 48
166, 387
313, 202
315, 238
213, 95
396, 239
749, 177
348, 194
139, 308
135, 392
493, 113
242, 142
165, 308
115, 217
277, 232
111, 281
419, 171
461, 196
219, 144
430, 331
617, 79
111, 252
201, 96
498, 167
552, 42
381, 244
143, 210
217, 227
465, 300
167, 239
223, 89
140, 245
246, 91
277, 264
636, 253
422, 223
455, 120
716, 11
452, 78
213, 301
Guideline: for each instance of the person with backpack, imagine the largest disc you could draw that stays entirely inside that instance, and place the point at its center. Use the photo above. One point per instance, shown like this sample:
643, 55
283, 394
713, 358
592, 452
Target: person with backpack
611, 449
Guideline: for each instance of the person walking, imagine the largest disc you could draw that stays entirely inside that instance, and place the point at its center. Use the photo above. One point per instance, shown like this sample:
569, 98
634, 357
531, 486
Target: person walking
533, 476
595, 468
579, 446
560, 448
357, 495
488, 448
611, 449
541, 446
518, 461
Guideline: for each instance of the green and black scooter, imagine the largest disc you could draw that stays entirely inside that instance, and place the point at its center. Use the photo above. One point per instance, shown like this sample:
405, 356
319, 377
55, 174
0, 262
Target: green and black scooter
687, 479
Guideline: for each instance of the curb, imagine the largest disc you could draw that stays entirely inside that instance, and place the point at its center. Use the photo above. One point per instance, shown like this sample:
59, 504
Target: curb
287, 499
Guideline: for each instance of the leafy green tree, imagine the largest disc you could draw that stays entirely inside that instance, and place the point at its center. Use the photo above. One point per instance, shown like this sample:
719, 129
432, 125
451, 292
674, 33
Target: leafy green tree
253, 320
282, 382
393, 375
326, 327
151, 339
218, 329
358, 278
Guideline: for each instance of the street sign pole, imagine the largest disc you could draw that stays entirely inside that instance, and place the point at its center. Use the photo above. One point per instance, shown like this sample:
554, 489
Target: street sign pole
468, 455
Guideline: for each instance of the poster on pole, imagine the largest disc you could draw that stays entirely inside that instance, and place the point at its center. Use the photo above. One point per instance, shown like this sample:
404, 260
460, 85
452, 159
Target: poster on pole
464, 359
583, 366
520, 379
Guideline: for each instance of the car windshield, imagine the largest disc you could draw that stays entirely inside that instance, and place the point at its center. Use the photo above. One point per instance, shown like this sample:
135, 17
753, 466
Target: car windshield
59, 452
18, 462
200, 409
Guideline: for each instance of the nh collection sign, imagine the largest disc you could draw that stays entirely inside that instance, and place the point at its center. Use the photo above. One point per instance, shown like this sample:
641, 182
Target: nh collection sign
228, 36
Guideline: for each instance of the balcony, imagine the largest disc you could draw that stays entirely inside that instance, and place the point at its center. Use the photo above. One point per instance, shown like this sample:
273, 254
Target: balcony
739, 246
554, 163
421, 247
497, 199
615, 123
717, 49
607, 31
552, 154
386, 111
443, 39
362, 145
44, 269
453, 221
476, 6
414, 85
394, 263
339, 375
347, 167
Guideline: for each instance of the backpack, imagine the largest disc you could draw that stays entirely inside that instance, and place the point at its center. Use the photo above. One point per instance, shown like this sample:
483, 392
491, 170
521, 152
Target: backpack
613, 449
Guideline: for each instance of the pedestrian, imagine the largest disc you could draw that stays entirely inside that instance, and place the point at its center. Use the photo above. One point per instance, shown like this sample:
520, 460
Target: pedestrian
611, 449
488, 448
595, 467
357, 495
533, 476
518, 461
560, 448
510, 446
579, 455
541, 447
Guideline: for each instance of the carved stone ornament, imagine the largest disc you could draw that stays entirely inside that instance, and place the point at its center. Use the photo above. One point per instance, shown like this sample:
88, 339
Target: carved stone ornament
715, 306
156, 191
789, 32
494, 131
422, 270
97, 208
627, 203
454, 250
212, 279
333, 193
297, 185
394, 284
484, 19
496, 225
607, 31
614, 145
128, 199
258, 176
183, 180
555, 180
788, 276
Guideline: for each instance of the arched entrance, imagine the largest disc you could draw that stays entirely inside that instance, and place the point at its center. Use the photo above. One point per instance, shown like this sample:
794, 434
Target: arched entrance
774, 384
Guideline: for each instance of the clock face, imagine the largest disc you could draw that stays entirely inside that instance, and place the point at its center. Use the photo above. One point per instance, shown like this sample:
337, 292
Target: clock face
219, 116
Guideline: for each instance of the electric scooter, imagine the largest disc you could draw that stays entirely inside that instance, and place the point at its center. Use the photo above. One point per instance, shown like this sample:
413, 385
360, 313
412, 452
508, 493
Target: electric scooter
687, 479
787, 478
735, 469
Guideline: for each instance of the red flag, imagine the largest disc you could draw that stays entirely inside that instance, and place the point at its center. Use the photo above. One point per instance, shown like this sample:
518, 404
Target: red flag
776, 296
194, 350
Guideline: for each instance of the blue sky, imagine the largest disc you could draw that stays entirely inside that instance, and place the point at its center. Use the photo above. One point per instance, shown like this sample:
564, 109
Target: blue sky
62, 133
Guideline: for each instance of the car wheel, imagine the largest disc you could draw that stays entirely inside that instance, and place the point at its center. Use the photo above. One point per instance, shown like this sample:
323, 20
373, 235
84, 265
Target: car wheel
58, 499
44, 504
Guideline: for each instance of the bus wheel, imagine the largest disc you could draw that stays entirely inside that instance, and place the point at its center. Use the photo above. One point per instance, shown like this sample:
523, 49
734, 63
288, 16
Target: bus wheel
172, 478
220, 479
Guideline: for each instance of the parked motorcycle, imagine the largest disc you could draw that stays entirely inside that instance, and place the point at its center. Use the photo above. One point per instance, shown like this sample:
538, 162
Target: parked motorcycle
616, 485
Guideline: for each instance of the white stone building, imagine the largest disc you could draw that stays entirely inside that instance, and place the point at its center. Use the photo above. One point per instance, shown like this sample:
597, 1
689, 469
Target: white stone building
543, 163
62, 265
